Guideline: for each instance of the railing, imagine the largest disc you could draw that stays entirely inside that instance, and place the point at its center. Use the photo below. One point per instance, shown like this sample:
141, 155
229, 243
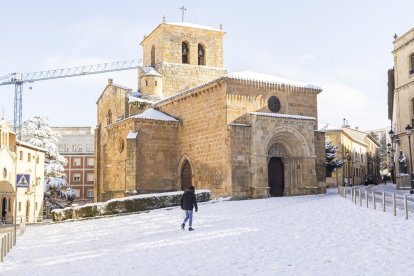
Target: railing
385, 200
8, 239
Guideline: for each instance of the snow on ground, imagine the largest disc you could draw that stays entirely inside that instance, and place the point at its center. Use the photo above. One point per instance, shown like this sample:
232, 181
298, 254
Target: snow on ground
306, 235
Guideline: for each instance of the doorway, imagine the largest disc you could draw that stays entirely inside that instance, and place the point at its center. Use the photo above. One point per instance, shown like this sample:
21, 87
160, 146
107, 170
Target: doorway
276, 176
186, 176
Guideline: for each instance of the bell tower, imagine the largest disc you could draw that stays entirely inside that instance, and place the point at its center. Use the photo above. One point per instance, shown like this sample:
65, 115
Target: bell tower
184, 54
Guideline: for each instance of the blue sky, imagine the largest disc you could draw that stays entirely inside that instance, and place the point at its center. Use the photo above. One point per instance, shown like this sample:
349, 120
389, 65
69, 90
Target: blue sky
343, 46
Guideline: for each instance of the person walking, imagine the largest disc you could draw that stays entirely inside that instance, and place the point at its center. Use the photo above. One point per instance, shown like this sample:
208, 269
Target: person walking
188, 202
385, 179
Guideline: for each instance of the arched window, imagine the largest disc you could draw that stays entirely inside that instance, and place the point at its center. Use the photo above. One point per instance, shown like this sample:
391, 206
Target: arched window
185, 53
153, 56
412, 64
109, 117
201, 55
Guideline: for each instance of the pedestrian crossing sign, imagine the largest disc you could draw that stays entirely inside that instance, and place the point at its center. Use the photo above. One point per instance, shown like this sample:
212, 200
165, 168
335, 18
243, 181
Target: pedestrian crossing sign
23, 180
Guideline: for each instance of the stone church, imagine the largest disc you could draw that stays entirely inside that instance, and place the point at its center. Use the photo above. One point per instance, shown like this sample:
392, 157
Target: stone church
242, 134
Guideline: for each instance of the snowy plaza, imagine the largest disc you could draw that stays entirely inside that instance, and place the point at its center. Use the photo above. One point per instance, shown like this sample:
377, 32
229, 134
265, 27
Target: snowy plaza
304, 235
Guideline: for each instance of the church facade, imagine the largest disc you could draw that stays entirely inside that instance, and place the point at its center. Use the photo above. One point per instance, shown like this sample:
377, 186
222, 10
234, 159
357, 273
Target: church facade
242, 134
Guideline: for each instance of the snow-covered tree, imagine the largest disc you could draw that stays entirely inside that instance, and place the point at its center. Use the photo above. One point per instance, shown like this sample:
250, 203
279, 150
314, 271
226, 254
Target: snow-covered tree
383, 153
36, 131
331, 162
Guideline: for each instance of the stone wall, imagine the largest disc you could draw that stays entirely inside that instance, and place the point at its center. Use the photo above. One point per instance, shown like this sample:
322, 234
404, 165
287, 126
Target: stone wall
179, 77
157, 155
244, 97
113, 98
240, 136
203, 137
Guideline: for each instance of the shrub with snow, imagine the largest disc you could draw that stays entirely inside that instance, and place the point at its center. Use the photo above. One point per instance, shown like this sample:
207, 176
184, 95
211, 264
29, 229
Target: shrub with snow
129, 204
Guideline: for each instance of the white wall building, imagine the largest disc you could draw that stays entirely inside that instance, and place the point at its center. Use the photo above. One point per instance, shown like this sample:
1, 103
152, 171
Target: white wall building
17, 159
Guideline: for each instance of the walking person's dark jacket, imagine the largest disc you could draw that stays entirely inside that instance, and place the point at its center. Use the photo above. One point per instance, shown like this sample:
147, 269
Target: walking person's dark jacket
189, 201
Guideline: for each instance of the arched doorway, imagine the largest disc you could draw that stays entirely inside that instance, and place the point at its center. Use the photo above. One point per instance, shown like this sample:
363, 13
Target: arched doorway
276, 176
4, 209
186, 175
27, 211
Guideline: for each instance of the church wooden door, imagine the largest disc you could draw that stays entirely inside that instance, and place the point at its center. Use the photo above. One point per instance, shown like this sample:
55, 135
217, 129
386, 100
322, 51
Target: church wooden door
276, 176
186, 176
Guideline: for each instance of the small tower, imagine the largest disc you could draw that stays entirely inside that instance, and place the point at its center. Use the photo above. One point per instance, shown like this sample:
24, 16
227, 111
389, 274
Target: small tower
150, 82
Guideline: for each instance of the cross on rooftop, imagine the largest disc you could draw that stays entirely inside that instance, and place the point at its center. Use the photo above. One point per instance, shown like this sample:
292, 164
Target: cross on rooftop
183, 9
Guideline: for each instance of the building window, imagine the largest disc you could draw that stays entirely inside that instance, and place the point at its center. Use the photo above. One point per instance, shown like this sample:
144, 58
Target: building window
185, 53
201, 55
76, 162
29, 157
89, 177
89, 193
36, 205
77, 193
21, 155
89, 148
146, 83
90, 162
109, 117
20, 206
66, 148
155, 83
73, 148
76, 177
37, 160
153, 56
4, 173
412, 64
80, 148
121, 145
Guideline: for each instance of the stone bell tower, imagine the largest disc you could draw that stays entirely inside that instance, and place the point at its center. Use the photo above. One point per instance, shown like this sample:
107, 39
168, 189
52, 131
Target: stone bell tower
183, 54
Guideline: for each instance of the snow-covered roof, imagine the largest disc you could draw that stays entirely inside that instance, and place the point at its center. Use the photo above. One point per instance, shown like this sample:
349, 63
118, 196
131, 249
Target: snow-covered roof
153, 114
288, 116
254, 76
132, 135
246, 76
27, 145
150, 71
121, 86
132, 99
192, 25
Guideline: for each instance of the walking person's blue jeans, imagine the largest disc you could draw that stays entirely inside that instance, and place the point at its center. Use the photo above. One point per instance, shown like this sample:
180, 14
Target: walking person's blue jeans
189, 216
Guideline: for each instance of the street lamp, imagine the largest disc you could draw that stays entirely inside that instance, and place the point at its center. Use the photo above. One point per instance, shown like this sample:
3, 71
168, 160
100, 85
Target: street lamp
348, 159
409, 131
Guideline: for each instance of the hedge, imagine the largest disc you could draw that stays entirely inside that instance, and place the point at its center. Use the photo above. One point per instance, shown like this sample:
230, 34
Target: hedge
124, 205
